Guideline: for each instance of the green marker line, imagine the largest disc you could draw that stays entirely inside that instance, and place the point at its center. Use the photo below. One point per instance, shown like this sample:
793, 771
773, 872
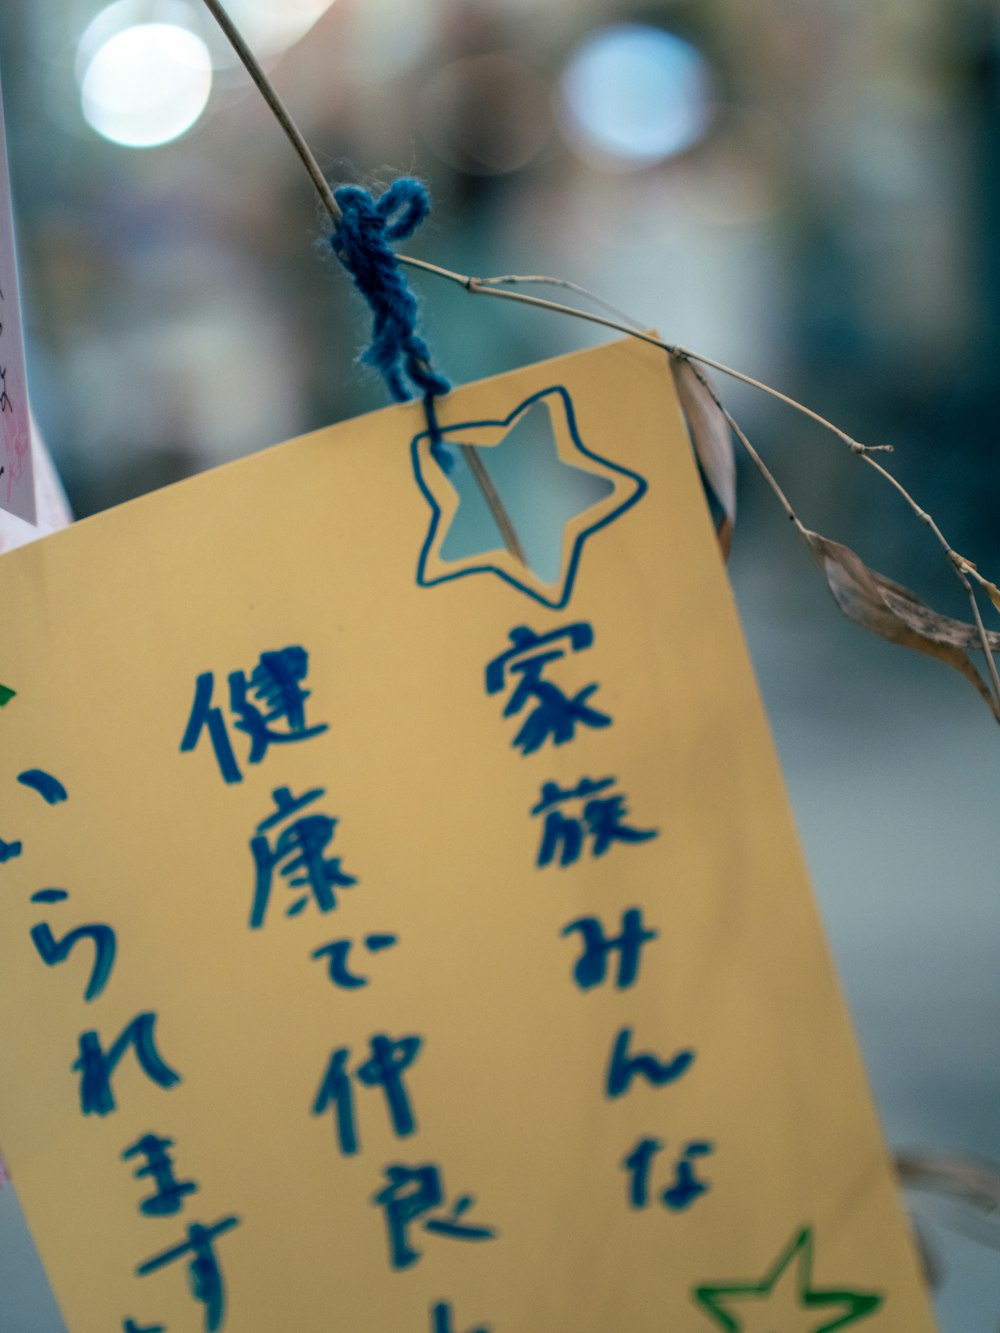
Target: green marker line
6, 694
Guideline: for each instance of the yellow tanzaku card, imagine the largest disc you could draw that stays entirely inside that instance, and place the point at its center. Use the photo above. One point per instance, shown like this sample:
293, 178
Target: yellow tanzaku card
398, 942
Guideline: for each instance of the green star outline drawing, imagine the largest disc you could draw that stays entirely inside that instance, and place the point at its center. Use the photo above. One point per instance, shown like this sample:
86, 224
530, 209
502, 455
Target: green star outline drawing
855, 1305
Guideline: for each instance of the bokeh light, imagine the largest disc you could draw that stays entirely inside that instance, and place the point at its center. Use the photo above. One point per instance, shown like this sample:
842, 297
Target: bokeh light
388, 37
486, 115
632, 95
270, 26
145, 84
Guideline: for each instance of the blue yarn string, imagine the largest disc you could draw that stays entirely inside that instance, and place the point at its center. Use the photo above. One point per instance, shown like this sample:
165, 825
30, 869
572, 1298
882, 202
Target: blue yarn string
442, 452
362, 241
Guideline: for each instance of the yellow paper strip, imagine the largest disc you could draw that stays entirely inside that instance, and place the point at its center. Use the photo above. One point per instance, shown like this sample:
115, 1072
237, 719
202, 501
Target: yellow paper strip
466, 975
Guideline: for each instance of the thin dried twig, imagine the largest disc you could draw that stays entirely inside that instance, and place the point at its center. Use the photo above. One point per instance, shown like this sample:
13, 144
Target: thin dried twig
963, 569
879, 604
472, 459
496, 506
267, 91
515, 279
832, 554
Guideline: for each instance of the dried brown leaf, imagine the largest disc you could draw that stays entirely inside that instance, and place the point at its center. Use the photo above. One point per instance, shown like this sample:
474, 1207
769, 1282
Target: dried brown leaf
967, 1179
970, 1188
888, 609
712, 442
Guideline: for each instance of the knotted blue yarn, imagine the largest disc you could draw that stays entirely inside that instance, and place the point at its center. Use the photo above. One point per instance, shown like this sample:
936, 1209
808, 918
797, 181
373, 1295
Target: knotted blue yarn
362, 241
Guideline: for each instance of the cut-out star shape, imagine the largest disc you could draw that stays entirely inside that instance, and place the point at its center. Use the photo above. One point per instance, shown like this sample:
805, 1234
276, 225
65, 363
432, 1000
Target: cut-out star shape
785, 1299
538, 451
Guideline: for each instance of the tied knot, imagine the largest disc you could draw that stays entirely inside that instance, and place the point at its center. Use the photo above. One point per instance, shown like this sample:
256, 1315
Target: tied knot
362, 241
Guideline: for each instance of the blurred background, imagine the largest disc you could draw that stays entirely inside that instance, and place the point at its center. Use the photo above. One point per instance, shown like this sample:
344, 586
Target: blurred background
807, 190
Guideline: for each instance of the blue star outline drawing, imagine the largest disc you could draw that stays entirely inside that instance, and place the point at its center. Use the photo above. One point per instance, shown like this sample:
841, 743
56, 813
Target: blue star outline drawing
547, 417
